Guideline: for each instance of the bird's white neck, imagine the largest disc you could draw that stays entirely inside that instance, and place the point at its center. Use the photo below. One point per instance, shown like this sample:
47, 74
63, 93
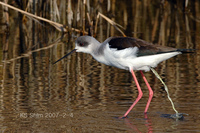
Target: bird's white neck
96, 48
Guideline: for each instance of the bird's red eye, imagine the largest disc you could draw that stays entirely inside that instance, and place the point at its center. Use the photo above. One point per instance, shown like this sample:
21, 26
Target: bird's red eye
81, 44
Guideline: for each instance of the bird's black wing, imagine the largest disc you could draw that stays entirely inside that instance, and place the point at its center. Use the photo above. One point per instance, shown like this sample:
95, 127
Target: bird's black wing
145, 48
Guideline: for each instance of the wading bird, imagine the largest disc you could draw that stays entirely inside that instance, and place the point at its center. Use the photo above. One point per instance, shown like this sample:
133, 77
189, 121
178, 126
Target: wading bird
127, 53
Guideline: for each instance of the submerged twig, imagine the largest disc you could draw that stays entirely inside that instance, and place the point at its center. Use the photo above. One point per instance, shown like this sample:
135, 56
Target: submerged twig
56, 25
95, 29
90, 33
32, 51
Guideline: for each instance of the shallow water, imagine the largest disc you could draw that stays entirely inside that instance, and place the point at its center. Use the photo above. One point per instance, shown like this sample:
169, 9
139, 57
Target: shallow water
78, 94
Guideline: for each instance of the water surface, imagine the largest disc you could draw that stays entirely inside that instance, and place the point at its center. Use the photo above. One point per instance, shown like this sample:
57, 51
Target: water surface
78, 94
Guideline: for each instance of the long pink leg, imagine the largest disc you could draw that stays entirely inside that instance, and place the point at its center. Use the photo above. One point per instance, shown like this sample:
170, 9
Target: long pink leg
150, 92
139, 93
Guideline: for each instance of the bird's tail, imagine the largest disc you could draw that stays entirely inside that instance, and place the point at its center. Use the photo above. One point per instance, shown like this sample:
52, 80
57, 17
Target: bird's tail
186, 50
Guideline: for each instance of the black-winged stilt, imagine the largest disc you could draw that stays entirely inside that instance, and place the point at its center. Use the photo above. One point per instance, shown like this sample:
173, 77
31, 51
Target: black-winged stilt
127, 53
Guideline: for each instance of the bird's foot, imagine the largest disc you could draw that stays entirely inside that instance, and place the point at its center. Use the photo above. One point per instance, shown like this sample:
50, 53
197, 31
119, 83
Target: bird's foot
122, 117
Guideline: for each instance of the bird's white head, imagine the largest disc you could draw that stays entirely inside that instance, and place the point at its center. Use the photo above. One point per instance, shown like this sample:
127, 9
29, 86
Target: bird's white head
86, 44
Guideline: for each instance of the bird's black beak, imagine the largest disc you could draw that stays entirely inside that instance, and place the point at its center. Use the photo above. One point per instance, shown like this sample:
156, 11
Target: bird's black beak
74, 50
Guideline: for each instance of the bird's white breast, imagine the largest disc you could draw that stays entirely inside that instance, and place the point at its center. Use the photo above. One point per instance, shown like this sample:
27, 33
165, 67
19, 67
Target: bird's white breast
127, 58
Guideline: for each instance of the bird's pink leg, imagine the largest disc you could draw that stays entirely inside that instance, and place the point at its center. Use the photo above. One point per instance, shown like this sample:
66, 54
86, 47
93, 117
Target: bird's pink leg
139, 93
150, 92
